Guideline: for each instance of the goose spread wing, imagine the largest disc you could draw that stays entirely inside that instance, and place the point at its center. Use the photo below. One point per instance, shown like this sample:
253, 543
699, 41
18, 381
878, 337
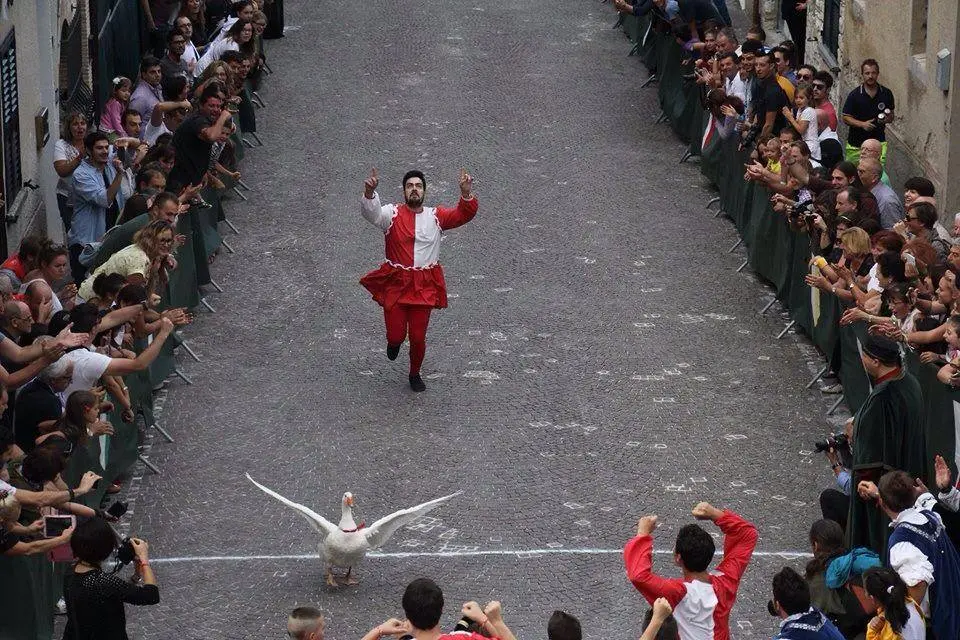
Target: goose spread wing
318, 522
378, 533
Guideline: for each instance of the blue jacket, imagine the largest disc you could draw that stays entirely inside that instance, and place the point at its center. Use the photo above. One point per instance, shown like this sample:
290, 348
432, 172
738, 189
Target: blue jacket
812, 625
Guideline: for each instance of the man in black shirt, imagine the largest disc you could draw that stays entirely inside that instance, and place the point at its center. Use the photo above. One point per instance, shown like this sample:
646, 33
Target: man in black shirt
194, 138
38, 402
867, 111
768, 98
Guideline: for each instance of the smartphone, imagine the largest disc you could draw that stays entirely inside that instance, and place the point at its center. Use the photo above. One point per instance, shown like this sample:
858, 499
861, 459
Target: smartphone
117, 509
53, 526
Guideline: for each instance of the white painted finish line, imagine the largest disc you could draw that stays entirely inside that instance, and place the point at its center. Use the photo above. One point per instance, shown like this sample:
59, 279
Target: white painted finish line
522, 553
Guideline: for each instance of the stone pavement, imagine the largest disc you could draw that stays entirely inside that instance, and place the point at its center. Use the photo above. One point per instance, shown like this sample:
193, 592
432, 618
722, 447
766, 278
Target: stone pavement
600, 358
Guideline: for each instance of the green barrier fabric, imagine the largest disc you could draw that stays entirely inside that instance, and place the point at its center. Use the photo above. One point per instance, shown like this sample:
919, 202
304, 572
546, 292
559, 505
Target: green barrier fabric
29, 595
779, 254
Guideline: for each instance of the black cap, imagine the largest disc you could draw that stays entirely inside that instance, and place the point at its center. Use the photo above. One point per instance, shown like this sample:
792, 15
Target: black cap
883, 349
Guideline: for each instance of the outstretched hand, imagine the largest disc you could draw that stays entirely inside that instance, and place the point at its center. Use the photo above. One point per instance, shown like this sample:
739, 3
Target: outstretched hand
466, 184
942, 473
370, 184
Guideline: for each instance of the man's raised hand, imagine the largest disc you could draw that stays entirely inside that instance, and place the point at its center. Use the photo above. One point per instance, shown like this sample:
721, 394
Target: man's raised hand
646, 525
370, 184
942, 473
466, 184
706, 511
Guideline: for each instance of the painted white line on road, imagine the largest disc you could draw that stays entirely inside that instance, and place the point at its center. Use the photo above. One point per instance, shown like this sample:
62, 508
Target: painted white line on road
521, 553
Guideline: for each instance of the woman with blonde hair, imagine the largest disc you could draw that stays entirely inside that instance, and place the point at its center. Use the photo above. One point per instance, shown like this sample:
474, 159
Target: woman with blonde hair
143, 262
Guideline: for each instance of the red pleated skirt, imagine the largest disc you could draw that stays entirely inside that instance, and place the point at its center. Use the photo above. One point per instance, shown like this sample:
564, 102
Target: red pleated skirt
390, 285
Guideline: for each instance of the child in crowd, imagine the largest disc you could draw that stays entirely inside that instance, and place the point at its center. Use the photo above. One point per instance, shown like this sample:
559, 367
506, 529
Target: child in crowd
898, 615
111, 122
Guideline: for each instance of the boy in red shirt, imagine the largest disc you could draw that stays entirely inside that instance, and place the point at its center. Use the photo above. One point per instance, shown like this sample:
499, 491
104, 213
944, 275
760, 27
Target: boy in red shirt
701, 600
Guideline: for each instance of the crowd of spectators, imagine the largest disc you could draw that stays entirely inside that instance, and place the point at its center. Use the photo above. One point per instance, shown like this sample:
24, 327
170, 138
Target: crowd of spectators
885, 555
78, 318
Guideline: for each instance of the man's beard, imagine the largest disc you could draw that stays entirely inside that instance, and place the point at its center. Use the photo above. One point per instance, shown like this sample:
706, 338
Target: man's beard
414, 201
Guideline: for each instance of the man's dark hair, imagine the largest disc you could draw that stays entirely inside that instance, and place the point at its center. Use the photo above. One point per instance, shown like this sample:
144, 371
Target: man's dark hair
668, 628
792, 132
751, 46
791, 591
423, 603
30, 246
563, 626
232, 56
870, 62
891, 264
414, 173
83, 316
854, 195
93, 138
809, 67
172, 87
127, 113
825, 77
145, 176
758, 30
93, 541
163, 198
43, 464
732, 55
921, 185
149, 61
897, 490
212, 90
173, 33
131, 294
695, 547
926, 213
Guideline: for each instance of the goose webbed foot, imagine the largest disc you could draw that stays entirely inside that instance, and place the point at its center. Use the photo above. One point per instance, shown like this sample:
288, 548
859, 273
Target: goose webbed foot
330, 580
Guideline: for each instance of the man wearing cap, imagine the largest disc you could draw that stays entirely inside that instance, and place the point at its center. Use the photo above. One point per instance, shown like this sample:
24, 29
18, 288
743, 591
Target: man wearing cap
887, 434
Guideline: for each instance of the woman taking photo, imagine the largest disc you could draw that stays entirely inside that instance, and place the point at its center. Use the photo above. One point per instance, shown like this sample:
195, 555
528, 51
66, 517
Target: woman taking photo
143, 262
95, 600
68, 153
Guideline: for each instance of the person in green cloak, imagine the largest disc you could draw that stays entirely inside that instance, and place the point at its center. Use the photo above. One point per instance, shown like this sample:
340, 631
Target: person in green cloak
887, 434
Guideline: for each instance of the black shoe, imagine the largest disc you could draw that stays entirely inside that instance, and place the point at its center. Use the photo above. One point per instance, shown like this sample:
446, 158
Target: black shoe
393, 351
416, 383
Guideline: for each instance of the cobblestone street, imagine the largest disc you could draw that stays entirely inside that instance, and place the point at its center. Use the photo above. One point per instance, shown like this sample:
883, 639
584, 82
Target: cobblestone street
600, 358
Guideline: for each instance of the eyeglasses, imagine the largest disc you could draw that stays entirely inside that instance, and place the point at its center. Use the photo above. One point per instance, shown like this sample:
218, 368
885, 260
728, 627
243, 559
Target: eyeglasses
804, 76
817, 85
912, 218
165, 241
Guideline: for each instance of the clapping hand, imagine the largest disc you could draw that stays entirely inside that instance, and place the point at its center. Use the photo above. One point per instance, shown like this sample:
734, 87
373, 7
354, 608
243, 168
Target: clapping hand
646, 525
466, 184
394, 627
942, 473
868, 490
370, 184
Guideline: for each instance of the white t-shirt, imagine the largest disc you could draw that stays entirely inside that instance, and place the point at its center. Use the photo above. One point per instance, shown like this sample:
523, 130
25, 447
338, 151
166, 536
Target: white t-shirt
88, 367
151, 133
63, 150
812, 134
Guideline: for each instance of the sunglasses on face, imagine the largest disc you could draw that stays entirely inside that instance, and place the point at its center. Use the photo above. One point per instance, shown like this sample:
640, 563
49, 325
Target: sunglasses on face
819, 86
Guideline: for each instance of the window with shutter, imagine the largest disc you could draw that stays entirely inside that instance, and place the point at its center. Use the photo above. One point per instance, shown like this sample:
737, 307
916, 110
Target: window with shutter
10, 119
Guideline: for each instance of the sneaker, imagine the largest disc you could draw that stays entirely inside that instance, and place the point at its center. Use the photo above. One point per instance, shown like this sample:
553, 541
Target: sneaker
61, 607
416, 383
832, 388
393, 351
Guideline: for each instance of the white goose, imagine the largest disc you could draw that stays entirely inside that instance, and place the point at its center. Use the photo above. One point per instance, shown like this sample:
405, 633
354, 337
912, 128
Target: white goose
344, 545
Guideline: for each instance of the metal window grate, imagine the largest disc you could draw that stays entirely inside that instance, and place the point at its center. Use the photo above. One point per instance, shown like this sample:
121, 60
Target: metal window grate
10, 118
831, 25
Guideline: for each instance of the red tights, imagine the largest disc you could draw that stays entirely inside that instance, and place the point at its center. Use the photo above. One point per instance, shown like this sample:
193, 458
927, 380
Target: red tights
413, 318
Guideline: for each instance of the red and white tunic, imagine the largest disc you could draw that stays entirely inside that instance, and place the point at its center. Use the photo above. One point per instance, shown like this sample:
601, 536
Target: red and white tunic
701, 609
412, 273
